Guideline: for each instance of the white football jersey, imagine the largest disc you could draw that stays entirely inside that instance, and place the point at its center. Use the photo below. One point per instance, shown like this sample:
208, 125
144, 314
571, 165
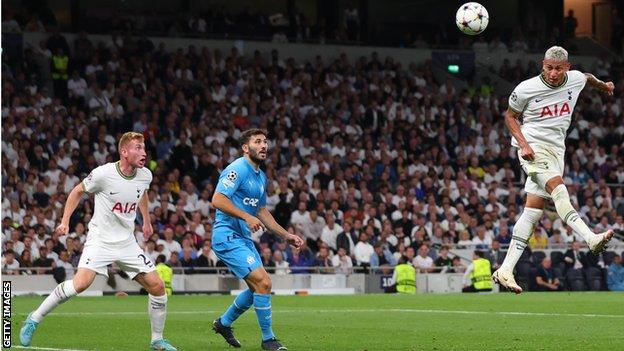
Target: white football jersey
547, 110
116, 202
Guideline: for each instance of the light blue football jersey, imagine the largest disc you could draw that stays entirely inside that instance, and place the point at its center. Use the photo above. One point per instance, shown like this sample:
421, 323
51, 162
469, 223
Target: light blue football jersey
246, 188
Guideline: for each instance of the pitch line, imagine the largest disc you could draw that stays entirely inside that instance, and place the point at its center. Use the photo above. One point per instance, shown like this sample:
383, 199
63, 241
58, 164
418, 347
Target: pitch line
370, 310
42, 348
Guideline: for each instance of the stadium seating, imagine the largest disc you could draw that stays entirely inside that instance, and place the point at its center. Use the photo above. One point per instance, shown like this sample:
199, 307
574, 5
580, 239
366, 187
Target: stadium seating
373, 138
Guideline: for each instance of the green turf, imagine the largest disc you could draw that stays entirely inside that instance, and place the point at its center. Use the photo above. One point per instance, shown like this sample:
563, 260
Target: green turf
546, 321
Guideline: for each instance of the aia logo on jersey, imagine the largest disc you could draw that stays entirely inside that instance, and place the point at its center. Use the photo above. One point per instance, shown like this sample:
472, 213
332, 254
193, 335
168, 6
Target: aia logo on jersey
555, 110
129, 207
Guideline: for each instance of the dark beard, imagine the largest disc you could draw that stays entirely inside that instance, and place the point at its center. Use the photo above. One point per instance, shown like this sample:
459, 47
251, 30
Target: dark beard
254, 157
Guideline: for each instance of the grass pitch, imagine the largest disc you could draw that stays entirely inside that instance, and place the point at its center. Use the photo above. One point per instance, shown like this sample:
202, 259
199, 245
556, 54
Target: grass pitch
531, 321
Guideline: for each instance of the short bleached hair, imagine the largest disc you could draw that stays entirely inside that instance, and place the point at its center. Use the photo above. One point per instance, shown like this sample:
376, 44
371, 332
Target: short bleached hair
127, 137
556, 53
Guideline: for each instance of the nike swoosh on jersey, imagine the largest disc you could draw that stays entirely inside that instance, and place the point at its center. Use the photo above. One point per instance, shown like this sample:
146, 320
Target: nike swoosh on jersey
112, 193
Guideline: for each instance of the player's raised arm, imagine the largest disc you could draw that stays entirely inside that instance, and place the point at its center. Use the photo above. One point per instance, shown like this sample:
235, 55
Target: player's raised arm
511, 120
70, 206
607, 87
223, 203
267, 219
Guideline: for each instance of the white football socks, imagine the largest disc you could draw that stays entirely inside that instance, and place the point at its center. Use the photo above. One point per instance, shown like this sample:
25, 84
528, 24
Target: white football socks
157, 309
521, 233
60, 294
568, 214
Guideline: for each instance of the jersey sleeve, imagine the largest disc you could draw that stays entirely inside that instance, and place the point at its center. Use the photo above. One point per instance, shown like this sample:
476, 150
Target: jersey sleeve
229, 181
518, 99
94, 182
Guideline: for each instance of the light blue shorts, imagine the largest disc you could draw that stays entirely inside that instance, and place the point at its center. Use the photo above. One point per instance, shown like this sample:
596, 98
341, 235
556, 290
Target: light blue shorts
239, 255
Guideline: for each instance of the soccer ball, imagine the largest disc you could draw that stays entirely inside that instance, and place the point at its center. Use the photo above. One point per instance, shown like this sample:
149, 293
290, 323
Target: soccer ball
472, 18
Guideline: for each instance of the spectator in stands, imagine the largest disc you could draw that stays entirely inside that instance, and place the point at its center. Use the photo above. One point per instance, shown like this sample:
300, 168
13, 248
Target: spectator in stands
301, 259
331, 231
363, 251
323, 260
186, 260
312, 228
545, 278
281, 266
207, 257
443, 261
267, 260
9, 263
423, 262
481, 241
574, 258
64, 264
150, 250
342, 263
556, 240
347, 239
381, 257
495, 255
464, 240
615, 274
169, 245
45, 264
458, 266
174, 261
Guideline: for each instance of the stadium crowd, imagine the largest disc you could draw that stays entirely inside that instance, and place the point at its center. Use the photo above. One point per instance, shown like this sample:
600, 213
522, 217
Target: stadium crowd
369, 160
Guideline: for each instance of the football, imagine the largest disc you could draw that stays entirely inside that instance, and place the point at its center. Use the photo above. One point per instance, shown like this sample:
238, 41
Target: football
472, 18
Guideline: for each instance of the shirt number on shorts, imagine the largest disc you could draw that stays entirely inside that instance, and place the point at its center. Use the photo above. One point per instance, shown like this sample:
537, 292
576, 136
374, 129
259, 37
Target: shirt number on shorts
146, 260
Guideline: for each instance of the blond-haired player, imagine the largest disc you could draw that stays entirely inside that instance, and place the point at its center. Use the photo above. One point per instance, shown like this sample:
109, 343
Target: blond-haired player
546, 103
120, 190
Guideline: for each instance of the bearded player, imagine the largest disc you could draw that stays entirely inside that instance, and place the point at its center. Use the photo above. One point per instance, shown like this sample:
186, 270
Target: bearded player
119, 188
240, 200
546, 103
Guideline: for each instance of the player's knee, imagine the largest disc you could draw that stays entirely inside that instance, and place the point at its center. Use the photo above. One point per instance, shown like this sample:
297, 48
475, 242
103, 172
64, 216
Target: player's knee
80, 285
265, 286
157, 287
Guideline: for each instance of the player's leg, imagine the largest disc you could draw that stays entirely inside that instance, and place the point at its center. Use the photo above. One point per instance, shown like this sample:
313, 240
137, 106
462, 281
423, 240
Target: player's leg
559, 193
522, 231
139, 267
247, 257
93, 261
241, 259
64, 291
157, 308
223, 325
259, 282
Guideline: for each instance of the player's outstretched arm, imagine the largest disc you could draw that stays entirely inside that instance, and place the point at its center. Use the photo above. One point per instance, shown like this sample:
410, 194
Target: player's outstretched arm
607, 87
70, 206
511, 120
267, 219
223, 203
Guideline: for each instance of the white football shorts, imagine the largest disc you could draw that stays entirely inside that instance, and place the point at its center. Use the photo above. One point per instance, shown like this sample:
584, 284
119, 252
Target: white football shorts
546, 165
129, 257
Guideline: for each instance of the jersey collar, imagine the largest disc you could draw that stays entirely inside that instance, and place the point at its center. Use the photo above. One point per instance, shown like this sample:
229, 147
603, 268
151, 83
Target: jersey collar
251, 166
565, 80
123, 175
